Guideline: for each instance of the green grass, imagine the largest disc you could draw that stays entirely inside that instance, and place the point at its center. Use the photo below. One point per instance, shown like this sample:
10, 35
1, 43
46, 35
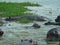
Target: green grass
25, 21
14, 9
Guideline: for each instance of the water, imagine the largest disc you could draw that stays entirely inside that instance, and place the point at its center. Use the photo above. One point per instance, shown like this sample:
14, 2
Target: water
15, 32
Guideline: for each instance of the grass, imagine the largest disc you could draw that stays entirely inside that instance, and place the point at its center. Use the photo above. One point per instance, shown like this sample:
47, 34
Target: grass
25, 21
14, 9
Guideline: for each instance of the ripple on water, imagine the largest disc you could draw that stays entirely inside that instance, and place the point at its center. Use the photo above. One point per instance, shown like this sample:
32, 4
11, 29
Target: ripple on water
13, 34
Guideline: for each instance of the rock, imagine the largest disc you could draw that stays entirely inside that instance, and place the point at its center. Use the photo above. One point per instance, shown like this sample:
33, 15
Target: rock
57, 19
53, 34
35, 25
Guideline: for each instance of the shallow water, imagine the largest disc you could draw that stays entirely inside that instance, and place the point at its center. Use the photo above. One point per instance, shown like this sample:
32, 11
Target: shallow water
14, 32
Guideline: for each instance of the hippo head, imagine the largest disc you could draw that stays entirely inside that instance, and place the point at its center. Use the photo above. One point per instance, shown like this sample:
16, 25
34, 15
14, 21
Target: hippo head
57, 19
52, 35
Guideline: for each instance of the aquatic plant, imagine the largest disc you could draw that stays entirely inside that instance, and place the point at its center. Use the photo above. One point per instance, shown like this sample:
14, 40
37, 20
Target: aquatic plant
25, 21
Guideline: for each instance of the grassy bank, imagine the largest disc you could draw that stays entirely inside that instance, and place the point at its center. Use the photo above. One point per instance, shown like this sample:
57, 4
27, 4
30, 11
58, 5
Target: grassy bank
25, 21
14, 9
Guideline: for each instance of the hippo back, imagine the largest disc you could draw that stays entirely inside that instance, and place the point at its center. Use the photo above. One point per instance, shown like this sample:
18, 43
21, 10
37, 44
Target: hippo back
53, 34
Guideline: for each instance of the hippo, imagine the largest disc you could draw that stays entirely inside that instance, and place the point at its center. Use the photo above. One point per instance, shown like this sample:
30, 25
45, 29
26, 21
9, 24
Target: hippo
53, 34
52, 23
29, 17
57, 19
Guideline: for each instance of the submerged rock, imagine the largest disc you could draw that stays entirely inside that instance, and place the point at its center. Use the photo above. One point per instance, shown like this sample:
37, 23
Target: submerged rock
53, 34
35, 25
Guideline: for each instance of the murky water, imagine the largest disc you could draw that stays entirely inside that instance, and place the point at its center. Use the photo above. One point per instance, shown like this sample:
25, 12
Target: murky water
14, 32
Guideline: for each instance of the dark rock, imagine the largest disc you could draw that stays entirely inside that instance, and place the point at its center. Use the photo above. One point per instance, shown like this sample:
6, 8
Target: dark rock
57, 19
53, 34
35, 25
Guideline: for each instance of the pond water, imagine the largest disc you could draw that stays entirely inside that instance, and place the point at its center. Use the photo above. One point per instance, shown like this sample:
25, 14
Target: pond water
14, 31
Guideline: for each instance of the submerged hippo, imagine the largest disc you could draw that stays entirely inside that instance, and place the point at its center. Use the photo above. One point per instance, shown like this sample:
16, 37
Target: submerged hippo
57, 21
28, 42
1, 33
53, 34
52, 23
35, 25
29, 17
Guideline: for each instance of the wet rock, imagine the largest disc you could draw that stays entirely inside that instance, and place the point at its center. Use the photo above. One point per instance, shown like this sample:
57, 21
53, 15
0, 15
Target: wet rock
35, 25
53, 34
57, 19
